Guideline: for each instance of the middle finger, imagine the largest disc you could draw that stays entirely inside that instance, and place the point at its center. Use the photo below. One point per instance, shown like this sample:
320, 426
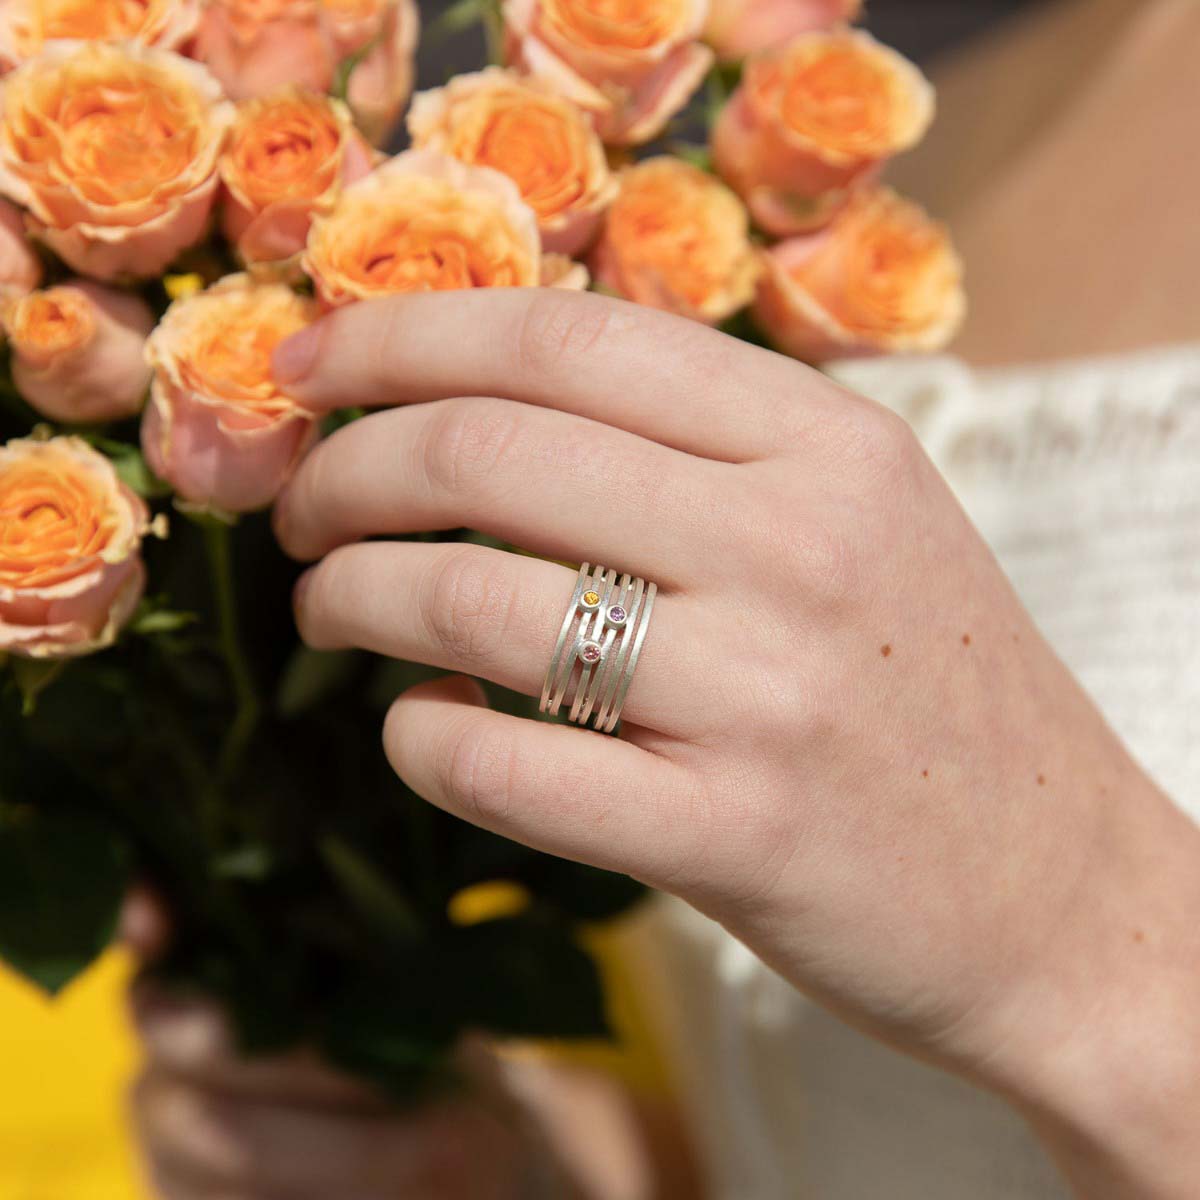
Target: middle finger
548, 481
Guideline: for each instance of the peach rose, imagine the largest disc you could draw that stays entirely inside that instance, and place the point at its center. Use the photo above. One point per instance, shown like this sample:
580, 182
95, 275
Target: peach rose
883, 278
631, 64
217, 428
78, 351
424, 222
815, 119
20, 267
255, 47
113, 150
287, 159
737, 28
71, 571
27, 25
541, 141
678, 239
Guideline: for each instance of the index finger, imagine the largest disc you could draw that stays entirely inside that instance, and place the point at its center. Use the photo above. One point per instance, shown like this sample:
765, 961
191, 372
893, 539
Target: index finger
663, 377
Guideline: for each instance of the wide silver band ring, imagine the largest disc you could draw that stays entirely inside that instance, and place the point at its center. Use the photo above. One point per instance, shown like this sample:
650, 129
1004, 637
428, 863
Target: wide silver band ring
598, 647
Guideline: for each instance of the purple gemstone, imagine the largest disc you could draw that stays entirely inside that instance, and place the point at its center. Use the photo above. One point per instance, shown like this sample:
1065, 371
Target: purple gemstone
617, 614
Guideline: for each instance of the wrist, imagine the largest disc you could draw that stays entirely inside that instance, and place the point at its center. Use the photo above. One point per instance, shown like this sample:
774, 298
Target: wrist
1108, 1066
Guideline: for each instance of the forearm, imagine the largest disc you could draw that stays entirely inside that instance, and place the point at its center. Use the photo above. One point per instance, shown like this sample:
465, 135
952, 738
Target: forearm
1111, 1078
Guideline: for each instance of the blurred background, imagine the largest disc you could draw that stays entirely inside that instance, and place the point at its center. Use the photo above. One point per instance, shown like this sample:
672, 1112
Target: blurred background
64, 1066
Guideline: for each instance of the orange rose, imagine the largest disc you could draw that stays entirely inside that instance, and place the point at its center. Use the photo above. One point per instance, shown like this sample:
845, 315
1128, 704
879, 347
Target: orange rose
883, 278
217, 428
814, 120
287, 159
20, 267
424, 222
541, 141
71, 571
27, 25
113, 150
676, 238
255, 47
737, 28
632, 64
77, 351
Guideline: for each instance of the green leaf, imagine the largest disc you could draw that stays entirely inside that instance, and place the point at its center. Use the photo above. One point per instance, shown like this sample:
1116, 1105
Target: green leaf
369, 890
33, 676
151, 619
62, 876
310, 675
455, 19
341, 79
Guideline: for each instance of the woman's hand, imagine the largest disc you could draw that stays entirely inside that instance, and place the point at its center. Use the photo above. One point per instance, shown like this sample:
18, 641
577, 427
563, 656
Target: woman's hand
212, 1123
845, 740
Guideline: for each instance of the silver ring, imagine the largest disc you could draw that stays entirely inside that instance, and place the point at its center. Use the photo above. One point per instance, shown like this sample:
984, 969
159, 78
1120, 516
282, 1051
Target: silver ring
598, 647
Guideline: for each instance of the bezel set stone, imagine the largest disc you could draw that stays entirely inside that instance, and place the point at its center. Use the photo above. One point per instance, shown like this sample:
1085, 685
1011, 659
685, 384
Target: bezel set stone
598, 647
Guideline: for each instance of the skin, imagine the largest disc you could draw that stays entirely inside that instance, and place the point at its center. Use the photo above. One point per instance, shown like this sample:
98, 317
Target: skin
944, 843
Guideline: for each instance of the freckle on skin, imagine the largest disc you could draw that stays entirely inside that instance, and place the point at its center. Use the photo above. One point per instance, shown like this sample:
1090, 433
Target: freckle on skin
966, 639
1041, 781
924, 774
885, 650
1138, 936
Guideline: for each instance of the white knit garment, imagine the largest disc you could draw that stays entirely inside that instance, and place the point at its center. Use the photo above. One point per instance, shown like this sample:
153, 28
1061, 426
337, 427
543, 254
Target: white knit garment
1085, 479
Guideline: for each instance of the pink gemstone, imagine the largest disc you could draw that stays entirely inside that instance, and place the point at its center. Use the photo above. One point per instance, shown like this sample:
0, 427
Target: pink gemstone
590, 653
617, 614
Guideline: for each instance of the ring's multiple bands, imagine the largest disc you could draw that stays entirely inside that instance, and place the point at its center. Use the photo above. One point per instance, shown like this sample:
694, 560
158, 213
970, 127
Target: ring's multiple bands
598, 646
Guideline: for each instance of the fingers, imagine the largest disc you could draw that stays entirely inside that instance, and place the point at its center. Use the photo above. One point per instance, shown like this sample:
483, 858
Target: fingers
663, 377
547, 481
190, 1038
597, 800
487, 613
203, 1142
144, 924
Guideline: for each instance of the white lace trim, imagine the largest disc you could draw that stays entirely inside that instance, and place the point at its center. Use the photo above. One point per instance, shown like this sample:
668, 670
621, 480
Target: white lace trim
1125, 405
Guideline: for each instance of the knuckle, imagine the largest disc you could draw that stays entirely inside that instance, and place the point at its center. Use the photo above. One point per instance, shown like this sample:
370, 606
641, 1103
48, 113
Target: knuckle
879, 445
468, 443
467, 607
557, 329
476, 772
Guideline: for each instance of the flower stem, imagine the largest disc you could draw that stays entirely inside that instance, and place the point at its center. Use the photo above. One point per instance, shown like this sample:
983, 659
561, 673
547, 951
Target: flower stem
218, 539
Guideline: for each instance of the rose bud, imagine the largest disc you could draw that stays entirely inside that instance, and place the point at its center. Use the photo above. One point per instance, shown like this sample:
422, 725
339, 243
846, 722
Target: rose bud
217, 427
256, 47
423, 222
676, 238
815, 119
78, 351
288, 157
737, 28
541, 141
71, 572
632, 65
20, 267
27, 25
882, 279
113, 150
559, 271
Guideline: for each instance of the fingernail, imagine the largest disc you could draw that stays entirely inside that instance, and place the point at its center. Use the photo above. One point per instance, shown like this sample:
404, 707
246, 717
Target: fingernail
294, 358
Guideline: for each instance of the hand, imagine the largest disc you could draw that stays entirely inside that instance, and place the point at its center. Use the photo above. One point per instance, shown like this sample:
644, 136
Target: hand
845, 740
212, 1123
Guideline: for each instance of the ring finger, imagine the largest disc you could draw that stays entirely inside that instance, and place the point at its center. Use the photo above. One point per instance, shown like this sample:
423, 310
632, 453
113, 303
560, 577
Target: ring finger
484, 612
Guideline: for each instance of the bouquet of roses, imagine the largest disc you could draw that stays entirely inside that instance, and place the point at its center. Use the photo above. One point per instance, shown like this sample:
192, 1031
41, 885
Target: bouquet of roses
189, 182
